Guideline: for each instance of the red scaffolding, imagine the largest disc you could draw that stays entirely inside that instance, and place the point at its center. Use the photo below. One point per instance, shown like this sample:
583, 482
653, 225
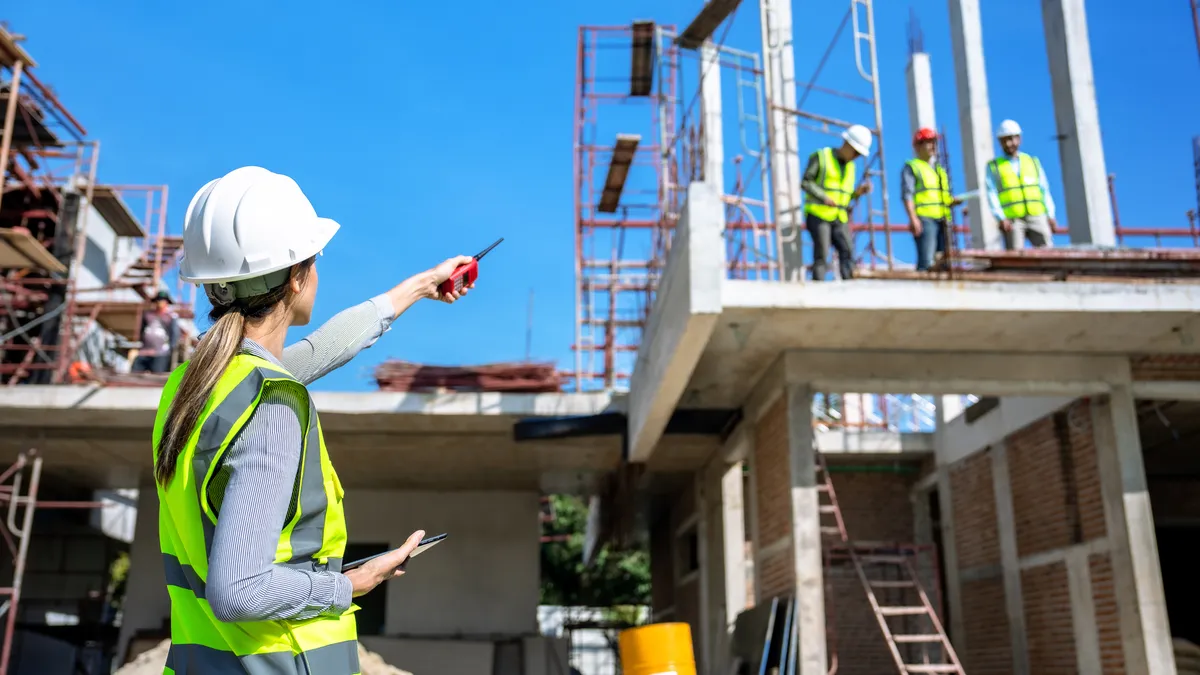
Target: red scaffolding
49, 298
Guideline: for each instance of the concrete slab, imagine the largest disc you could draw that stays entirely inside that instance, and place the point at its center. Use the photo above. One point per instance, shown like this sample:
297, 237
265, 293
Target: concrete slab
100, 437
760, 320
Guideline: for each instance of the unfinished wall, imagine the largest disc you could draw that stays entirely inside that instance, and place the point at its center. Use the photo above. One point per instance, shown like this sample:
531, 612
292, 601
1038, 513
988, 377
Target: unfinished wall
988, 643
1057, 517
773, 557
876, 506
481, 583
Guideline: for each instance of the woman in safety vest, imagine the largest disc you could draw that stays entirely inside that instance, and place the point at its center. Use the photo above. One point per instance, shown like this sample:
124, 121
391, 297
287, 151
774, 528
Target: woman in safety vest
250, 508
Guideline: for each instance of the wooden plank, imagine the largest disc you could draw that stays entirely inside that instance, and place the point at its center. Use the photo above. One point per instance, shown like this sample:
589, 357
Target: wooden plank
19, 250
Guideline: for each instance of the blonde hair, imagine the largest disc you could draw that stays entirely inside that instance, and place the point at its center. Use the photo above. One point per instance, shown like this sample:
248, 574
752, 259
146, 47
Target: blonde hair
208, 364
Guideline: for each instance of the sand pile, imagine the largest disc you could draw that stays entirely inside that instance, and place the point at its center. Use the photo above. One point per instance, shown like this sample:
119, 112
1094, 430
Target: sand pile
151, 662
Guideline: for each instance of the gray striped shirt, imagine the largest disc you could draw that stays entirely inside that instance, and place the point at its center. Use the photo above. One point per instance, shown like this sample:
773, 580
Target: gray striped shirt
253, 490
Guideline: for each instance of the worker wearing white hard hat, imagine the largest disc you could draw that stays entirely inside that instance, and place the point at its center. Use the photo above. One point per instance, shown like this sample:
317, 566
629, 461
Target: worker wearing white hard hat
829, 188
252, 528
1018, 193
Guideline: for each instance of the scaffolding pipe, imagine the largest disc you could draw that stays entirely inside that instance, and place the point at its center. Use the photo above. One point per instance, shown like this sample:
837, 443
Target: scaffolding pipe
10, 118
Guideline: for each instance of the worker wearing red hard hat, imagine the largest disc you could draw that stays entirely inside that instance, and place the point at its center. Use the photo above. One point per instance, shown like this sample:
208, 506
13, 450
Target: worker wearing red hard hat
1018, 193
925, 191
252, 525
828, 185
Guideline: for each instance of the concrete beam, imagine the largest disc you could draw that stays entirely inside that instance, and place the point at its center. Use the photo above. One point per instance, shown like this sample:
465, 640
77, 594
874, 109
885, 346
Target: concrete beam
1081, 151
1167, 391
919, 75
974, 114
949, 373
686, 306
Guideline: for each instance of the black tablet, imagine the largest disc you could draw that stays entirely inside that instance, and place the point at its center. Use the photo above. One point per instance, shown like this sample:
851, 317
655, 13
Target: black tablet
425, 544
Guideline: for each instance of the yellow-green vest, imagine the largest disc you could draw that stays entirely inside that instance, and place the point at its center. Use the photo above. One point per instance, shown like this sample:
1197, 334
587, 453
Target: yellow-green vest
1020, 195
313, 538
932, 196
838, 185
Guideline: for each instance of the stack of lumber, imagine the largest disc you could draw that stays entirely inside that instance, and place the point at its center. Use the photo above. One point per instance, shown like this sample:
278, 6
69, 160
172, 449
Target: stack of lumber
395, 375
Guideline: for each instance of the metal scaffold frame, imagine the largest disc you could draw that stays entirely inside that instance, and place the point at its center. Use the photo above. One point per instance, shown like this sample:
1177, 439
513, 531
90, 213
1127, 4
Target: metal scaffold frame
16, 538
48, 172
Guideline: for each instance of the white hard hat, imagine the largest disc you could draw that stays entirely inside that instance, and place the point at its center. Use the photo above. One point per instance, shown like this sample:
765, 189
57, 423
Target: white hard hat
859, 138
1008, 128
247, 224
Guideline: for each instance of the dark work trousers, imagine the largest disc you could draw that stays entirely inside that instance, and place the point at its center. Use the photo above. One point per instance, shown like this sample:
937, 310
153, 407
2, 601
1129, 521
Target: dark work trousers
152, 364
931, 240
823, 233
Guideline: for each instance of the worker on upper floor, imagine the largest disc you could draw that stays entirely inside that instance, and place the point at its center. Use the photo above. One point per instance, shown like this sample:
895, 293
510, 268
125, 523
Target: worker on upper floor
1018, 194
828, 186
925, 190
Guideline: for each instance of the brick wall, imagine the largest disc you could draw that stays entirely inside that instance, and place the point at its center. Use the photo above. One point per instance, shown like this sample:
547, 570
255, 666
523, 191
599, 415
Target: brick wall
876, 507
1170, 367
772, 478
1108, 620
1049, 631
1055, 482
973, 500
985, 621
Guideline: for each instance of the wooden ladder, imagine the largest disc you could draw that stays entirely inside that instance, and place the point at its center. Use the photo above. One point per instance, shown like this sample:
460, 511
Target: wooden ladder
899, 578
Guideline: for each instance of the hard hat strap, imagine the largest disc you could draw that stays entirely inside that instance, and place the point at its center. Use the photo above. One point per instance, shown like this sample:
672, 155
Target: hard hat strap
226, 292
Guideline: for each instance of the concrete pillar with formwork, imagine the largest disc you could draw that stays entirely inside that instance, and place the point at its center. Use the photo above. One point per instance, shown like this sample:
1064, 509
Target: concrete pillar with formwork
1081, 150
919, 76
974, 115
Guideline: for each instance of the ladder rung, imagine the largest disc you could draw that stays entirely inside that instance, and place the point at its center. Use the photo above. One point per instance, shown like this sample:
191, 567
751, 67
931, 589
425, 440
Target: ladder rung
909, 639
828, 508
883, 559
893, 584
932, 668
902, 611
829, 529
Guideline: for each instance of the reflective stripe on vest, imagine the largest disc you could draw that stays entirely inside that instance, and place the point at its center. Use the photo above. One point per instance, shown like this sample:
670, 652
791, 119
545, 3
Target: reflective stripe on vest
839, 187
313, 538
932, 196
1020, 195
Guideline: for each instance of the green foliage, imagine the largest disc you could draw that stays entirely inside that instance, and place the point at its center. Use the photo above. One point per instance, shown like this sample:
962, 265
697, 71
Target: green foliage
613, 578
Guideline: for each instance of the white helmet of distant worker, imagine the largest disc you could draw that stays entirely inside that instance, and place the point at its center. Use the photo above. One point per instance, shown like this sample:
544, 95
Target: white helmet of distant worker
1008, 128
859, 138
248, 224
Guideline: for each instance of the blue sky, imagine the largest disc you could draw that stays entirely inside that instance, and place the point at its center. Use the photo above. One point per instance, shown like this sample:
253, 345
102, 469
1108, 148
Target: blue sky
429, 131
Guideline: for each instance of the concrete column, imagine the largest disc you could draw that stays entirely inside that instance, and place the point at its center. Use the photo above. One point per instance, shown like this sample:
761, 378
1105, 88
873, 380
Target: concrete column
1083, 612
919, 75
710, 569
779, 65
942, 451
1010, 563
710, 109
974, 115
806, 528
1145, 632
147, 604
1081, 152
733, 517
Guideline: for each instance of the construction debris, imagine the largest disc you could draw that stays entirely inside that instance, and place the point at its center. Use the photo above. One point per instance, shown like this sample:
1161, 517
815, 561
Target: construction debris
151, 662
528, 377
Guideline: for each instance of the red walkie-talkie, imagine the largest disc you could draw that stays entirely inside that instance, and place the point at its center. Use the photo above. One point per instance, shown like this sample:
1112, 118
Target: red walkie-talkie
465, 275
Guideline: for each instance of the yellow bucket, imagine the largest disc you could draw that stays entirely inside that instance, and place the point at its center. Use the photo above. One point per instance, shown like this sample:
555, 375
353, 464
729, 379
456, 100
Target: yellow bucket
657, 649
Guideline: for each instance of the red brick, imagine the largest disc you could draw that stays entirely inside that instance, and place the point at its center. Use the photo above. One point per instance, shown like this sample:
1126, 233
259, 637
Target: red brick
1049, 629
777, 574
974, 504
1166, 367
1108, 620
773, 484
985, 621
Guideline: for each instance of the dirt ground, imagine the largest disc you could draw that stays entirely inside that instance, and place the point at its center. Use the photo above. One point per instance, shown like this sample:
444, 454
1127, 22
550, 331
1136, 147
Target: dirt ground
151, 662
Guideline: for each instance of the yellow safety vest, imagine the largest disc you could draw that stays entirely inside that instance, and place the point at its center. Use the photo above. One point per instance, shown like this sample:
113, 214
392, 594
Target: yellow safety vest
932, 196
839, 187
1020, 195
313, 538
